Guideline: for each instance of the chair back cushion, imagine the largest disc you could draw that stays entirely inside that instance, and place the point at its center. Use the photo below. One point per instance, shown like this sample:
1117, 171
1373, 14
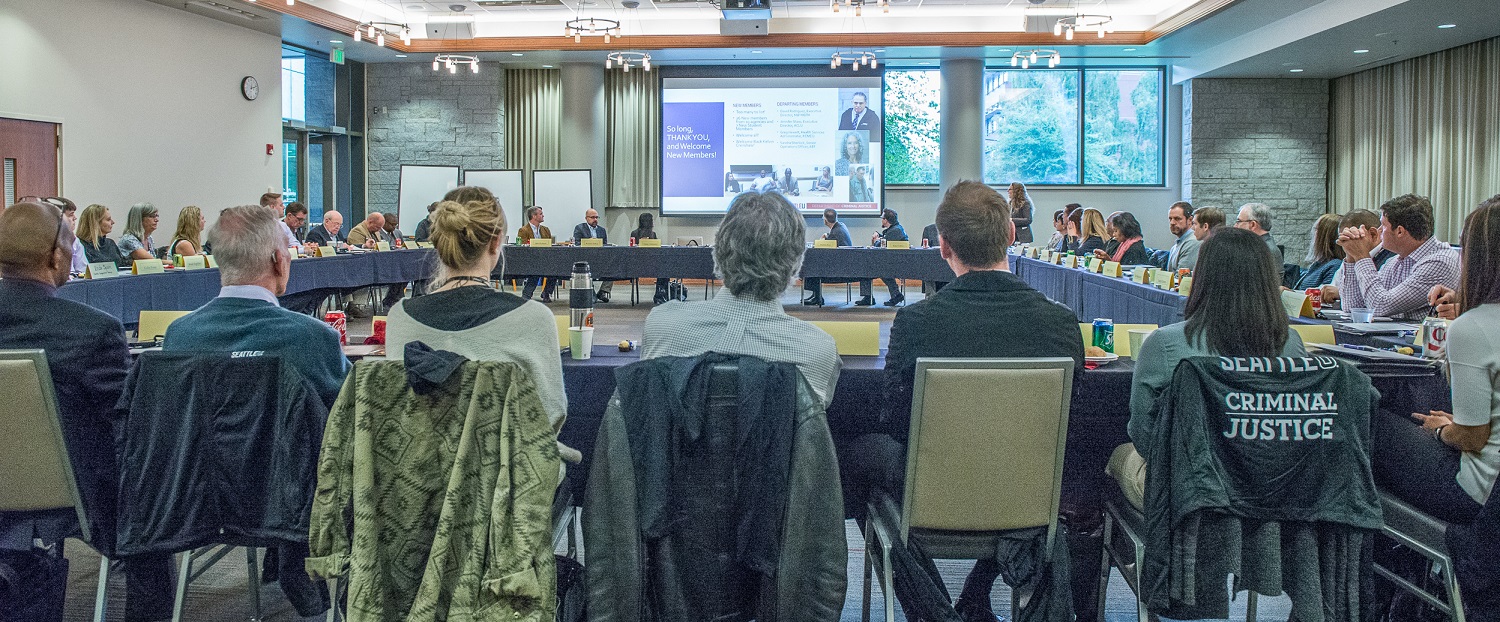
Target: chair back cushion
34, 470
986, 443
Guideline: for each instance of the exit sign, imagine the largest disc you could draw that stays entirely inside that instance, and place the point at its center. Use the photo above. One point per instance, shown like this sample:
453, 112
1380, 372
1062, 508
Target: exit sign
337, 56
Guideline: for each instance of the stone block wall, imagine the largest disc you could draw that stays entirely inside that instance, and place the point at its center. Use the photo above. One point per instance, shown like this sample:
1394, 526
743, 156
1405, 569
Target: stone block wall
432, 118
1259, 140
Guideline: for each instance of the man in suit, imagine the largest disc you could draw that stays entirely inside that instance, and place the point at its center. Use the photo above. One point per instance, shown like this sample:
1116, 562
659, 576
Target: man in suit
88, 361
368, 231
590, 228
837, 232
857, 117
891, 231
533, 228
391, 231
974, 228
930, 240
328, 233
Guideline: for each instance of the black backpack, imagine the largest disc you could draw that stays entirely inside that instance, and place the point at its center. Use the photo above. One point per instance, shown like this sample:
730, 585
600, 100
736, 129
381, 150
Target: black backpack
572, 597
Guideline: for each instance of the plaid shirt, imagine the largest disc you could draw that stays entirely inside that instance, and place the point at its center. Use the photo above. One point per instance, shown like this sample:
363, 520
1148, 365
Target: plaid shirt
731, 325
1399, 288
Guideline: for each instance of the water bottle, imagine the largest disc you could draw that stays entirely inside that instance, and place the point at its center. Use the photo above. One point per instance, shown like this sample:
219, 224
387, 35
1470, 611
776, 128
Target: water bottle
581, 297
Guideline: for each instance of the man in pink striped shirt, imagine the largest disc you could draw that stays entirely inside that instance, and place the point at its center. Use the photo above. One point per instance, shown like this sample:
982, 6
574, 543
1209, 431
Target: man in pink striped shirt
1399, 288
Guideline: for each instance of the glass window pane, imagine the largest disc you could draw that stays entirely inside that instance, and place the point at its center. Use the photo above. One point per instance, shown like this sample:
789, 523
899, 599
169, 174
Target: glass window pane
1123, 131
911, 126
1031, 126
293, 83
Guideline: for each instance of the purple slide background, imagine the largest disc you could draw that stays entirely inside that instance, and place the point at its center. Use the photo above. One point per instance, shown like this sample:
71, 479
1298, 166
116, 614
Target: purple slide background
693, 176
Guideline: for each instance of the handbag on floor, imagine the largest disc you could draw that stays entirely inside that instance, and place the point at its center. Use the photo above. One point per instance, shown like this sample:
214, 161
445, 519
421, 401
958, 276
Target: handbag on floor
33, 584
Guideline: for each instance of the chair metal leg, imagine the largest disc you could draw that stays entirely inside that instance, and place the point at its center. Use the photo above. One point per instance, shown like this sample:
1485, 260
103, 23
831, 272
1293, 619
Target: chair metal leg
1450, 580
184, 574
252, 566
101, 595
869, 576
1250, 605
333, 599
887, 583
1104, 564
1140, 603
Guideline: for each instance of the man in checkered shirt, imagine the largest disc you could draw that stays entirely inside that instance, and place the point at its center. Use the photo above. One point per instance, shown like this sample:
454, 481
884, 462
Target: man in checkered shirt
1399, 288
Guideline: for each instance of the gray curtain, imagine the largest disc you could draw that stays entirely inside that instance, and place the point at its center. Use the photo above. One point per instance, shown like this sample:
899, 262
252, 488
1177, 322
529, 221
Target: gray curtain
533, 113
1424, 125
632, 105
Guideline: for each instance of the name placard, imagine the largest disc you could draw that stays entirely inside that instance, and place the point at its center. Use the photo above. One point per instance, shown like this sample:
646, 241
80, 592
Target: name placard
147, 266
1070, 261
540, 242
1142, 275
1060, 258
326, 251
590, 242
1296, 304
1112, 268
1162, 279
101, 270
193, 262
1034, 253
649, 243
1185, 286
825, 243
293, 252
382, 246
902, 245
1097, 266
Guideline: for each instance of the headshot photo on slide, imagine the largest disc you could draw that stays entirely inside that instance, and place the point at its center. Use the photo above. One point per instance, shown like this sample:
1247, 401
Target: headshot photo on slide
859, 111
853, 148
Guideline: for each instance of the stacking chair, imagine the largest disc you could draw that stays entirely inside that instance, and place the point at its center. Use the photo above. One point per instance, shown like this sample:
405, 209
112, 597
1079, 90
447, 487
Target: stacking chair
1426, 535
35, 471
972, 473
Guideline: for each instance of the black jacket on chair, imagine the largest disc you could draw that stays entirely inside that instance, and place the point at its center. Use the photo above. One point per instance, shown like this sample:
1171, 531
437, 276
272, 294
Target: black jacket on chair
216, 447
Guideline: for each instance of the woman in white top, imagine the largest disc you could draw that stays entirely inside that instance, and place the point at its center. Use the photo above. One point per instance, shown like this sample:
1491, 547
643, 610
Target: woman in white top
1447, 466
461, 313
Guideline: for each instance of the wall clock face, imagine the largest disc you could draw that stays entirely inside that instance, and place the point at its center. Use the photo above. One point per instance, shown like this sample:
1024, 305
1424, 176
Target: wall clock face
250, 88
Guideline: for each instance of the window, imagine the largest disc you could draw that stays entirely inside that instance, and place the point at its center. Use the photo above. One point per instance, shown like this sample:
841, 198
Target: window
911, 127
1041, 126
293, 86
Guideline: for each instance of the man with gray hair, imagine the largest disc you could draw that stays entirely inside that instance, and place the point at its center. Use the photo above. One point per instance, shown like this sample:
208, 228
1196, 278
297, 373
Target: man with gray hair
757, 252
1256, 218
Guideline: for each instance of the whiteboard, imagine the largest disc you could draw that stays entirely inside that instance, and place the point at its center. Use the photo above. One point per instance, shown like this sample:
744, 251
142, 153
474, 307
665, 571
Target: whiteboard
420, 187
506, 186
564, 194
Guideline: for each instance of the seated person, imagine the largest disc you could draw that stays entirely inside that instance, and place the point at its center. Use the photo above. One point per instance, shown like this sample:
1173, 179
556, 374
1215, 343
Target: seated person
837, 232
1205, 220
188, 239
590, 228
136, 243
930, 240
367, 232
534, 229
247, 317
424, 227
1091, 232
757, 251
731, 184
94, 227
1184, 251
646, 230
789, 183
391, 231
1059, 226
86, 355
462, 314
1370, 222
824, 182
296, 221
1130, 249
70, 214
1399, 289
1324, 255
1072, 225
1236, 286
1446, 467
891, 231
272, 201
975, 227
1256, 218
328, 233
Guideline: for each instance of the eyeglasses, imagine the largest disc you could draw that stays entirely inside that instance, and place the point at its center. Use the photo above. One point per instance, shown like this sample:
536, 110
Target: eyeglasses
1245, 220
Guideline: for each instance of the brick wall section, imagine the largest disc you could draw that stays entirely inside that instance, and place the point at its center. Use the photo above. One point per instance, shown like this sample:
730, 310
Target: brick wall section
1259, 140
431, 118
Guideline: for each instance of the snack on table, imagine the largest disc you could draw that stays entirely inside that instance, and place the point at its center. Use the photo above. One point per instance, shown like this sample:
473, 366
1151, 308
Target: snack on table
1094, 352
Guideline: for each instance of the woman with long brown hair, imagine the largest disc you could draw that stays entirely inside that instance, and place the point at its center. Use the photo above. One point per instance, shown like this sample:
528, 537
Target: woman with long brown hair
1324, 255
1447, 465
188, 239
1020, 211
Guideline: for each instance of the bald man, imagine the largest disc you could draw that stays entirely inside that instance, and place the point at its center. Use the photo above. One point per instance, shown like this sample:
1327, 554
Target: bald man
328, 233
88, 362
367, 233
590, 228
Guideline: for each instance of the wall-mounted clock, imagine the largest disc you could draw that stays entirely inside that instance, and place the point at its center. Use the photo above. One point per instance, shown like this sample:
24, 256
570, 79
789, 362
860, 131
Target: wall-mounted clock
250, 88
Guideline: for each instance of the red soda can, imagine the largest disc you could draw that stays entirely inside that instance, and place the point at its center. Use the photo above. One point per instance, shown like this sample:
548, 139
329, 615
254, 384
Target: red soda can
377, 330
339, 323
1315, 297
632, 241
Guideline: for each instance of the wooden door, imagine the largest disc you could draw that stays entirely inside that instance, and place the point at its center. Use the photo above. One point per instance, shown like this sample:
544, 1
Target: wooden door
28, 153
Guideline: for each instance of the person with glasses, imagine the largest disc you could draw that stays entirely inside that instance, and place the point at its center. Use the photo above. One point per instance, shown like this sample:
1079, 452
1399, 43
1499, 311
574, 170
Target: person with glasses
1256, 218
140, 223
296, 220
69, 212
88, 363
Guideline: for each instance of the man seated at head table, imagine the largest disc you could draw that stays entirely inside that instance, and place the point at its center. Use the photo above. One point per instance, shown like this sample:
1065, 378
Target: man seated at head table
88, 361
328, 233
974, 229
1399, 288
590, 228
296, 220
839, 233
367, 232
246, 317
391, 231
757, 252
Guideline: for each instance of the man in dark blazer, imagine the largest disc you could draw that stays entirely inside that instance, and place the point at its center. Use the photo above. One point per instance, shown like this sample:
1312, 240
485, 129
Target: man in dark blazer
858, 117
930, 240
87, 357
329, 232
839, 233
590, 228
986, 299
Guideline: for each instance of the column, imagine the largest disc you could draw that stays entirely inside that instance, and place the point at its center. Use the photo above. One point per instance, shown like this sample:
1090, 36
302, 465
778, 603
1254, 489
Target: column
962, 121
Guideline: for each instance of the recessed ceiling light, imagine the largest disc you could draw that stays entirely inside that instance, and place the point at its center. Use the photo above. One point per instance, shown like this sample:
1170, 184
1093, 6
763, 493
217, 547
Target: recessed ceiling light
546, 66
754, 51
334, 41
516, 54
924, 63
1447, 25
400, 56
1296, 71
1361, 51
1129, 49
415, 7
880, 49
1003, 50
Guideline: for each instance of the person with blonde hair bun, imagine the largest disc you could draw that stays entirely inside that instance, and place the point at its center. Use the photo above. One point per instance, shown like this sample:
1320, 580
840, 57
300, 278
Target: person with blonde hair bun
188, 239
463, 314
